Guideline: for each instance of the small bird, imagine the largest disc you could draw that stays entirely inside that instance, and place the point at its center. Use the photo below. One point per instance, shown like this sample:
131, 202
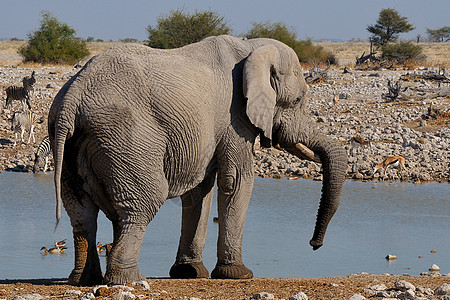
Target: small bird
60, 244
54, 250
100, 247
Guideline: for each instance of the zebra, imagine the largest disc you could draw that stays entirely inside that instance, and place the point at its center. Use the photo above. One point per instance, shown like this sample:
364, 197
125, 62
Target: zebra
42, 152
24, 121
21, 93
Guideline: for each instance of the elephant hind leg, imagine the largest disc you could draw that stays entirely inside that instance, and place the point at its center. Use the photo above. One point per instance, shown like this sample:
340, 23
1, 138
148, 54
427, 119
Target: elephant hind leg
196, 208
83, 217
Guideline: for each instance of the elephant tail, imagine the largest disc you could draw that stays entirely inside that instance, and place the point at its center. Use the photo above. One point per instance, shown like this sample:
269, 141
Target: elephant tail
64, 128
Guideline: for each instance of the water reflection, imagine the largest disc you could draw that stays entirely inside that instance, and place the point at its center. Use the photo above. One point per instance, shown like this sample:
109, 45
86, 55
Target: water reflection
373, 220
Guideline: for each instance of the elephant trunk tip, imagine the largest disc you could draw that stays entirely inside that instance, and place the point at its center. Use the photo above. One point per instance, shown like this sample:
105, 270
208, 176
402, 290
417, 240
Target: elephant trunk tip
315, 244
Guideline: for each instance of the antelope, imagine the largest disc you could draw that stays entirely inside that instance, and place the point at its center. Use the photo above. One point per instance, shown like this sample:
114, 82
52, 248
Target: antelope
356, 142
392, 161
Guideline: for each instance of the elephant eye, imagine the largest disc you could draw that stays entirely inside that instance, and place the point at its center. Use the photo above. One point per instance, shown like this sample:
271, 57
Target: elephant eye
296, 72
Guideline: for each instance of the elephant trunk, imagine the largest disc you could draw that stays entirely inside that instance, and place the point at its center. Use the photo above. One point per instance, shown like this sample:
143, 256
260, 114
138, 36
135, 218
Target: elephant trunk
333, 157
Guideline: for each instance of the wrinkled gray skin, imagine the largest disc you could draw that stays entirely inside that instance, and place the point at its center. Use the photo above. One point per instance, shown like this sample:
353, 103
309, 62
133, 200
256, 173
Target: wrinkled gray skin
137, 126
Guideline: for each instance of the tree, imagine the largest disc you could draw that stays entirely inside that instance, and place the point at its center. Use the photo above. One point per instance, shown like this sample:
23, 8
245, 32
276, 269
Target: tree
54, 42
305, 49
439, 35
179, 29
388, 27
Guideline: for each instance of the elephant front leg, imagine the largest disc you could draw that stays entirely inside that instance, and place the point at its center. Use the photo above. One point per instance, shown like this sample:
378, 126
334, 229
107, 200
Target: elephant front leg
196, 208
233, 198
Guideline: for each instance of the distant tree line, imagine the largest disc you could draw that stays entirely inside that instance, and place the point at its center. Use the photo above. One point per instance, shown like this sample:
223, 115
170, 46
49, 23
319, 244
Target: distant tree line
55, 42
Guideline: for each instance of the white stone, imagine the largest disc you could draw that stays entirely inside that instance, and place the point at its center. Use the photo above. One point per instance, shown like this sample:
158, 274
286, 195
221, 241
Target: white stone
73, 292
122, 287
378, 287
95, 288
143, 283
444, 289
87, 296
299, 296
29, 297
263, 295
434, 268
123, 296
404, 285
357, 297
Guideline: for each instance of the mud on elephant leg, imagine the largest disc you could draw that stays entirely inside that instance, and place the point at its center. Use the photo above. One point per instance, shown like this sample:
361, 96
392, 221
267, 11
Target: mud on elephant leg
87, 271
196, 209
233, 198
122, 265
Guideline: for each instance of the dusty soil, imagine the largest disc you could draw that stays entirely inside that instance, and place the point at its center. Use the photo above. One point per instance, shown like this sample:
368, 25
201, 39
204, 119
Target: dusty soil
162, 288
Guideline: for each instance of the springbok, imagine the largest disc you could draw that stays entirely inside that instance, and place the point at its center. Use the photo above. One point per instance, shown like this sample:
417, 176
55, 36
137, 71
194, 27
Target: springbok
356, 142
392, 161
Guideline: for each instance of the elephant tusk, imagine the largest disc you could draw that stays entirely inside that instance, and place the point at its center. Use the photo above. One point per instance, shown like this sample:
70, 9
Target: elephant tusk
301, 151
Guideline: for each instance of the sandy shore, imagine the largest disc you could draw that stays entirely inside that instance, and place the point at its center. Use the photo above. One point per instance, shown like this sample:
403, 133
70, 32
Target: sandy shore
162, 288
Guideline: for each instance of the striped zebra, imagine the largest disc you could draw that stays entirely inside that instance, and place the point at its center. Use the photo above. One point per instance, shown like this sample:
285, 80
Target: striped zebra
24, 121
42, 153
21, 93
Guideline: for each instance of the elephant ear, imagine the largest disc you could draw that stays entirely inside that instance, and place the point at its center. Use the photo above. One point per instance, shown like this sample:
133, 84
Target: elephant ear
261, 97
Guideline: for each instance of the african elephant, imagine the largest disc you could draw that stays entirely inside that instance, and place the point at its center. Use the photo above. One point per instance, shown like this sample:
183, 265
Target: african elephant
137, 126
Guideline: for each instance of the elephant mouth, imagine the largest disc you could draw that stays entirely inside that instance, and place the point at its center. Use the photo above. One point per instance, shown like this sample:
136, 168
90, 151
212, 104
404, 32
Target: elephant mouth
301, 151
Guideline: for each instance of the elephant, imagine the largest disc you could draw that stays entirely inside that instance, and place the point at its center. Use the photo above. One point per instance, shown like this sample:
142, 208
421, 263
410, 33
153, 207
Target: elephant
136, 126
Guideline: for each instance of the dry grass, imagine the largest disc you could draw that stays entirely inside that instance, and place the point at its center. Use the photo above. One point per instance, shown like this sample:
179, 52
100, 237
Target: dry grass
346, 52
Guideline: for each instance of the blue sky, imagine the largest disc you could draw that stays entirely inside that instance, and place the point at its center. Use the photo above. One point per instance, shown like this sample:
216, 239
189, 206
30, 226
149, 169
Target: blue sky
115, 19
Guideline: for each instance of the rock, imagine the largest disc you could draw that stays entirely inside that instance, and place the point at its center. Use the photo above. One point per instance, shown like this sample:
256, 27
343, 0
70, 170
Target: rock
73, 293
357, 297
403, 286
122, 287
299, 296
123, 296
434, 268
87, 296
444, 289
143, 283
29, 297
97, 287
263, 295
378, 287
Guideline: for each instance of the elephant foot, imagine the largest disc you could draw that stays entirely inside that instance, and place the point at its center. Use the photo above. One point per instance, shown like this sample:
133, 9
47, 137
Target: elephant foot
116, 275
85, 278
231, 271
188, 270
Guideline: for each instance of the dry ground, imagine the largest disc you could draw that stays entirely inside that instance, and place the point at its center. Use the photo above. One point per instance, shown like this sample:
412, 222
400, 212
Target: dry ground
162, 288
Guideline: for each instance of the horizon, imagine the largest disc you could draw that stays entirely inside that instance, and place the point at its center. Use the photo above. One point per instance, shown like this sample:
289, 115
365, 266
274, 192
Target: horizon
326, 20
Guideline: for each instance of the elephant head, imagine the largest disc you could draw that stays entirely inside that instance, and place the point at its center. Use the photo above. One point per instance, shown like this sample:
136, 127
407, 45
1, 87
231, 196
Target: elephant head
276, 101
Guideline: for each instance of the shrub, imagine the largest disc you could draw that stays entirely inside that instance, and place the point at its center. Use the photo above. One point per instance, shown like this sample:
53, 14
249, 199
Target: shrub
180, 29
402, 51
305, 49
54, 42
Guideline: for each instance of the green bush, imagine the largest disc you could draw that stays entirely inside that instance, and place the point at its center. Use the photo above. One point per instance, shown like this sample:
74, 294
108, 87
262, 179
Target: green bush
402, 51
180, 29
54, 42
305, 49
